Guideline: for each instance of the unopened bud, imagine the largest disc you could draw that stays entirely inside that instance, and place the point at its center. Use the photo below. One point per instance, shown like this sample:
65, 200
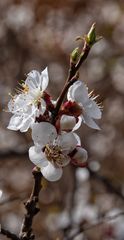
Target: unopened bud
91, 37
75, 55
80, 157
72, 109
67, 123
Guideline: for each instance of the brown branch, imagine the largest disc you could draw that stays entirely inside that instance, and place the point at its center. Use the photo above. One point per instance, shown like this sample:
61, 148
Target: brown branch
73, 76
75, 67
8, 234
61, 97
31, 208
12, 154
83, 56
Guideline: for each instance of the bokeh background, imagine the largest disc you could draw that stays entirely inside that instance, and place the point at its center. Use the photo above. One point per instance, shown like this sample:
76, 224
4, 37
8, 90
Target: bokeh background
40, 33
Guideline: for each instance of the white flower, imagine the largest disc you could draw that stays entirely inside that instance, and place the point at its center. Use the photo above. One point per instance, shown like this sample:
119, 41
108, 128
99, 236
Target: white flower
51, 151
29, 103
78, 92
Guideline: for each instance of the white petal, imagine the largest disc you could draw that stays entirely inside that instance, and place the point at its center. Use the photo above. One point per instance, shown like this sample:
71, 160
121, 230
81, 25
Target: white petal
27, 118
33, 80
18, 103
15, 122
23, 120
37, 157
81, 155
43, 106
34, 94
11, 105
30, 110
67, 122
78, 92
77, 139
67, 141
90, 122
51, 173
26, 123
43, 133
66, 161
92, 109
78, 124
45, 79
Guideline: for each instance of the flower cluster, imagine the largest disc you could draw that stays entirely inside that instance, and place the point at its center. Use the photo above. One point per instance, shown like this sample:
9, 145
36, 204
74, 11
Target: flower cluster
55, 142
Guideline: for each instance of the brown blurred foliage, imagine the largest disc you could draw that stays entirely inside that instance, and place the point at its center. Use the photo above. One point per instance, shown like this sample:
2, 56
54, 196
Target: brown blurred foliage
39, 33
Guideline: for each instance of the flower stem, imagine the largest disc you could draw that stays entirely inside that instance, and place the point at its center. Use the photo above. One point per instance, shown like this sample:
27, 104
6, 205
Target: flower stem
73, 76
31, 208
61, 97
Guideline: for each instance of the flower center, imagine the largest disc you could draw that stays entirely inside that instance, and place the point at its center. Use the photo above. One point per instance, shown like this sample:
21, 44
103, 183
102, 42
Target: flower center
36, 94
54, 154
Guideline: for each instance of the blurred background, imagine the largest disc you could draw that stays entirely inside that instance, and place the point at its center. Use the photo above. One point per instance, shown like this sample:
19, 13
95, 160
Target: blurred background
40, 33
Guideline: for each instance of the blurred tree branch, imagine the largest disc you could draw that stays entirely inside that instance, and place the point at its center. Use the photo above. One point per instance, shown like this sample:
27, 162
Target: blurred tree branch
110, 187
84, 228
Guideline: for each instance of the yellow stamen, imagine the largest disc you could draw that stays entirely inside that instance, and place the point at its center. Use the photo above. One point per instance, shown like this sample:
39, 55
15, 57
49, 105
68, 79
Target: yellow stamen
25, 88
54, 154
12, 96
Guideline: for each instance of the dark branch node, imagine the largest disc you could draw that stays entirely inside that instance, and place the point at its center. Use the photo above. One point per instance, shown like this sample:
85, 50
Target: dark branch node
8, 234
